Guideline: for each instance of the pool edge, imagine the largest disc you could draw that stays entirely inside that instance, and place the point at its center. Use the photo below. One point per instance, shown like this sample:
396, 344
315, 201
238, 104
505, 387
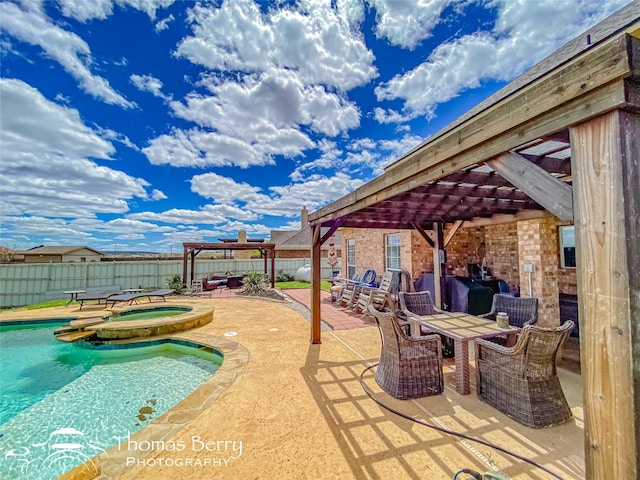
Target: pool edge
114, 461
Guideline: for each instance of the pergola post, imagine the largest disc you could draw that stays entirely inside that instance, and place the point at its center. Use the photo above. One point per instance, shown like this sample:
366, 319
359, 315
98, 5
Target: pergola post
273, 268
315, 284
438, 272
184, 265
606, 177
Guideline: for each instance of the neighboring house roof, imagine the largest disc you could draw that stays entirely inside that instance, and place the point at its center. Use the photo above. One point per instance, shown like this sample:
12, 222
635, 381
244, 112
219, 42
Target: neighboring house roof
235, 240
299, 239
58, 250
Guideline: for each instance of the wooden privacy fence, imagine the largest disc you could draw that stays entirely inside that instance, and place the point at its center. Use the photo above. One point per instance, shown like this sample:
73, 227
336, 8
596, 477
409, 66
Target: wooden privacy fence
25, 284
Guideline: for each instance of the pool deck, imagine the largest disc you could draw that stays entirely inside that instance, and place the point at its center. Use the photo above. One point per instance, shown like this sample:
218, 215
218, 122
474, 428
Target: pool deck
299, 412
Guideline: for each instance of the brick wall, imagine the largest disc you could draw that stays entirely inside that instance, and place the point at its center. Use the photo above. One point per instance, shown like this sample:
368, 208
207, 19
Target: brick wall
370, 248
507, 248
502, 252
538, 241
466, 246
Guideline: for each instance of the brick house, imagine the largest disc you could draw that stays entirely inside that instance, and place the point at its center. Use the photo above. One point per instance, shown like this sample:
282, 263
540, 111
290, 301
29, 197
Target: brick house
506, 247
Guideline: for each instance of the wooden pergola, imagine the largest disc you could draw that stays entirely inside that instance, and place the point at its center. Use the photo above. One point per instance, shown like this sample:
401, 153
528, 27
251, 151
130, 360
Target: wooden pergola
562, 139
191, 250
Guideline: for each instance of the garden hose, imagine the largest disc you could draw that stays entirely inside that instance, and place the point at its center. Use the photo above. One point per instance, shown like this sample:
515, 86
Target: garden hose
484, 476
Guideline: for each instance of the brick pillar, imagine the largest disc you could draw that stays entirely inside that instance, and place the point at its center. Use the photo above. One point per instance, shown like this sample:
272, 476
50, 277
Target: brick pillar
242, 254
538, 246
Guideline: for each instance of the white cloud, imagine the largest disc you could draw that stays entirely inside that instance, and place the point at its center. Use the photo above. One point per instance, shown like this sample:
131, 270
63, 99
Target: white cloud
32, 26
150, 7
252, 121
283, 200
30, 120
329, 158
275, 99
207, 215
525, 32
199, 148
319, 42
359, 155
149, 83
158, 195
44, 151
407, 23
83, 10
291, 69
164, 23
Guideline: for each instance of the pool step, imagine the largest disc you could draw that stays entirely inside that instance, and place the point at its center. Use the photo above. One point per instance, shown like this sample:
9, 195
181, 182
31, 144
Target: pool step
74, 336
86, 322
76, 329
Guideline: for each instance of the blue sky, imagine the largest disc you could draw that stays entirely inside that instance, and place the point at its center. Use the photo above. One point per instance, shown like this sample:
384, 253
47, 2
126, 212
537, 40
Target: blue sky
142, 124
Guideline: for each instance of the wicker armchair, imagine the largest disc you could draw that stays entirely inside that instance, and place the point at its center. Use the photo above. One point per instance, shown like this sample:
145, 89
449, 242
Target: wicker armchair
420, 303
409, 367
522, 311
522, 381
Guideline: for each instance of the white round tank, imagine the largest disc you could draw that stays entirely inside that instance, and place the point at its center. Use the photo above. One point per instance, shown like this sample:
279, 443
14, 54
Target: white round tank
304, 274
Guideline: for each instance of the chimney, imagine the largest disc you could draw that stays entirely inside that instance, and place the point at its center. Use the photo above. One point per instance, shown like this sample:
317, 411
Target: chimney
242, 236
304, 217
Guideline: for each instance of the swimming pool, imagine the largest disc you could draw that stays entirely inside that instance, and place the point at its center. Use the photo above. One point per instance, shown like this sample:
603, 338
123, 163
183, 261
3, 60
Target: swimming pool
148, 313
61, 404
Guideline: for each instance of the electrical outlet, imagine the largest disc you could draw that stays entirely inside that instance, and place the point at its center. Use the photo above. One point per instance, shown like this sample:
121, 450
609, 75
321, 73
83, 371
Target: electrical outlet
529, 267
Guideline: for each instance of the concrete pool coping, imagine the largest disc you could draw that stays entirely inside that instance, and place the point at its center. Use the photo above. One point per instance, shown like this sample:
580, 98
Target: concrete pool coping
162, 429
197, 316
300, 412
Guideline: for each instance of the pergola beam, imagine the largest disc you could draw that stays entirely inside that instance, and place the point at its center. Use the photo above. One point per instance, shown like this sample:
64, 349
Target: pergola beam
553, 194
583, 88
192, 249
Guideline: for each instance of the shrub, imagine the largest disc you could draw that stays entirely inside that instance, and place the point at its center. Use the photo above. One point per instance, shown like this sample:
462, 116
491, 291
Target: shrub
254, 283
281, 276
175, 282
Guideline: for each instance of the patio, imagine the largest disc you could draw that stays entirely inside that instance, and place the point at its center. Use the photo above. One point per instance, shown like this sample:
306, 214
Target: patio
300, 411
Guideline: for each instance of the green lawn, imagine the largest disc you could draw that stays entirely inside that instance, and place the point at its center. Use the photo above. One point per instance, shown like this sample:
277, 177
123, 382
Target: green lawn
35, 306
287, 285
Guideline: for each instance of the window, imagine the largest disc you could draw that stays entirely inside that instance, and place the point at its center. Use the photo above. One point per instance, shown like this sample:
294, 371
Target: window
567, 237
351, 258
392, 251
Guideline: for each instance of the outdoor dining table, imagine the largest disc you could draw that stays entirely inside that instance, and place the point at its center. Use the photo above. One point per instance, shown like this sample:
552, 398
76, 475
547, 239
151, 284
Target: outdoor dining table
462, 328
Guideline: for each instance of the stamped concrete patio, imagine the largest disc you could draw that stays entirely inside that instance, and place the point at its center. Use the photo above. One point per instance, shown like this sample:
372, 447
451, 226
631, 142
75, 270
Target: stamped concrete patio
299, 411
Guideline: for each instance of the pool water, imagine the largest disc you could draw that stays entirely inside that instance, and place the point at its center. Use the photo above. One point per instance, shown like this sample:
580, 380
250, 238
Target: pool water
150, 313
61, 404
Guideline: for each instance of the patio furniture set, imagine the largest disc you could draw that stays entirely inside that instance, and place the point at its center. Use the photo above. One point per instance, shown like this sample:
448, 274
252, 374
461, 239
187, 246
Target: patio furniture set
519, 380
212, 282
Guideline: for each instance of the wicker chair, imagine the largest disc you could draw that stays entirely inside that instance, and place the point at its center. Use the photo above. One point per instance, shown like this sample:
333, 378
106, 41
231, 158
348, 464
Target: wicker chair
420, 303
522, 311
409, 367
522, 381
